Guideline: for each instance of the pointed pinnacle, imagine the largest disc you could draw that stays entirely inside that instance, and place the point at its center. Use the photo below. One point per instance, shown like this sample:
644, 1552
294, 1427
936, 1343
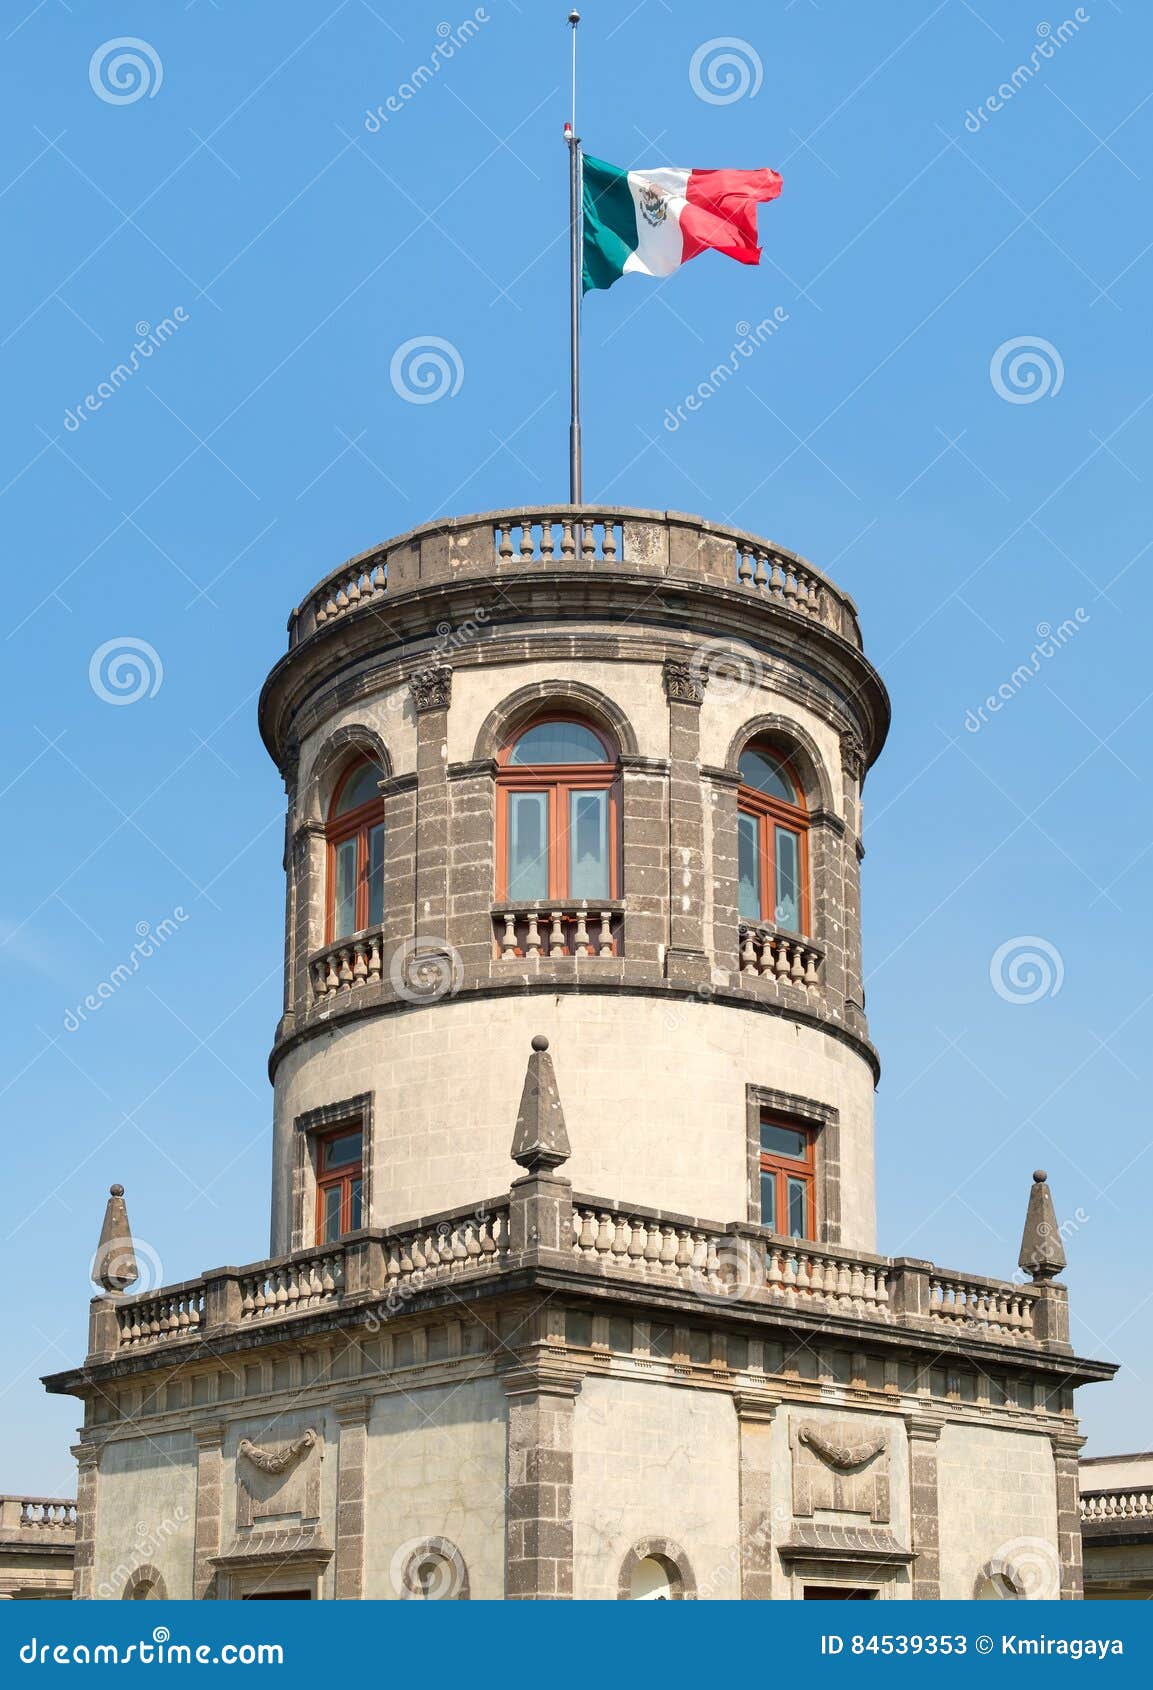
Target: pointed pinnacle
541, 1138
1042, 1252
114, 1264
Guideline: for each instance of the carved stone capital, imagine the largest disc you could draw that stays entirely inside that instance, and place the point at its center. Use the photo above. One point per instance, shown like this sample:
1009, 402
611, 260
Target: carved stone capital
852, 755
683, 683
431, 688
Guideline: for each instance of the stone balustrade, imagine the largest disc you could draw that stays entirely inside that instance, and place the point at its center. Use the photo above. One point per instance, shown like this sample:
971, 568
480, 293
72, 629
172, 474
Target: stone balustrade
788, 957
672, 545
28, 1519
738, 1264
584, 930
301, 1283
1117, 1506
347, 964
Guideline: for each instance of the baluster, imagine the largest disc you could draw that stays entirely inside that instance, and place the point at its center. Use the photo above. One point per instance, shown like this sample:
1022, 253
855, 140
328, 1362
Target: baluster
332, 978
588, 1235
622, 1239
669, 1249
744, 566
581, 937
508, 943
797, 971
761, 575
556, 945
606, 944
588, 541
637, 1241
374, 969
748, 952
359, 963
811, 978
770, 945
345, 969
527, 549
604, 1239
781, 964
354, 590
504, 547
319, 980
609, 546
547, 543
379, 579
567, 542
532, 942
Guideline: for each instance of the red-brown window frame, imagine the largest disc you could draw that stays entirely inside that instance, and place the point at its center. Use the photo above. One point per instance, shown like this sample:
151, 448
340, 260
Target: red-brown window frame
784, 1168
558, 780
357, 822
338, 1177
768, 812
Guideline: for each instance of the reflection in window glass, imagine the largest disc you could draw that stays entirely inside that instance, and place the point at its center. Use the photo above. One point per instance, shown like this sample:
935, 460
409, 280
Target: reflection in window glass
788, 910
588, 844
557, 742
527, 846
785, 1141
796, 1199
359, 788
749, 868
344, 906
375, 875
762, 771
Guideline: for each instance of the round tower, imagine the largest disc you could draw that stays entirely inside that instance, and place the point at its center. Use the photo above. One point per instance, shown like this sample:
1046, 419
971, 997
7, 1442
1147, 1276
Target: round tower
593, 773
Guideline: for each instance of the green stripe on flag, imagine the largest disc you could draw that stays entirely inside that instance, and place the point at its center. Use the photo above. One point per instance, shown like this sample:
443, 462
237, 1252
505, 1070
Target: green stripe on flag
610, 223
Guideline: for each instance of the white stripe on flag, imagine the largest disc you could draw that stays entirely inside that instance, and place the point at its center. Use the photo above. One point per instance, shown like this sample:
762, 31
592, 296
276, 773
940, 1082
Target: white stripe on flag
659, 196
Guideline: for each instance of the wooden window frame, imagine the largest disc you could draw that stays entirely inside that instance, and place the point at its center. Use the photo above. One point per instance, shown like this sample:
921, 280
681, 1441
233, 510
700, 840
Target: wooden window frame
356, 824
784, 1168
768, 812
341, 1178
558, 780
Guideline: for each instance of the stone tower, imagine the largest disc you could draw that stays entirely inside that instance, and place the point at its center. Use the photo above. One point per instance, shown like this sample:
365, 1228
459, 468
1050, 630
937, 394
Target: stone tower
574, 819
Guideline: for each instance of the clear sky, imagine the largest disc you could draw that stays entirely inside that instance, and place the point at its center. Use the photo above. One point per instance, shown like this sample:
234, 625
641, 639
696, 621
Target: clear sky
968, 491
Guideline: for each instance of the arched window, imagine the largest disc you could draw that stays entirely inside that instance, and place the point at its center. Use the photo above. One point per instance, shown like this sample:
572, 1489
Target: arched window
558, 815
356, 852
772, 843
656, 1570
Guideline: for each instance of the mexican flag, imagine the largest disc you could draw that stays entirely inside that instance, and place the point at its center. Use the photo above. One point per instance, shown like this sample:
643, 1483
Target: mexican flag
652, 221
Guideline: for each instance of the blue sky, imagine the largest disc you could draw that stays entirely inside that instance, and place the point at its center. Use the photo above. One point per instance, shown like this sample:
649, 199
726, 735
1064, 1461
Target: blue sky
885, 431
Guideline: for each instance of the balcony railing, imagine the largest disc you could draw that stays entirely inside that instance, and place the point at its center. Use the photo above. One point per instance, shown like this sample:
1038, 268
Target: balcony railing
36, 1519
773, 955
740, 1264
546, 930
1120, 1508
668, 544
347, 964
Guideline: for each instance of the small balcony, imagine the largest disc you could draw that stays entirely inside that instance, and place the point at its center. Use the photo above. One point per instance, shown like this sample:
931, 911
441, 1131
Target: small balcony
566, 930
790, 958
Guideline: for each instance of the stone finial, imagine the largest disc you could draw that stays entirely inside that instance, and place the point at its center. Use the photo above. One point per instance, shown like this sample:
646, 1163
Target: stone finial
1042, 1253
114, 1265
541, 1137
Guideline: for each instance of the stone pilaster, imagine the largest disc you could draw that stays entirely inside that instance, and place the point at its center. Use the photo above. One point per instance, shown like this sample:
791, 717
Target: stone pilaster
306, 871
646, 842
87, 1496
722, 790
352, 1417
686, 960
431, 695
209, 1508
472, 868
1066, 1451
539, 1532
852, 774
399, 794
755, 1411
924, 1507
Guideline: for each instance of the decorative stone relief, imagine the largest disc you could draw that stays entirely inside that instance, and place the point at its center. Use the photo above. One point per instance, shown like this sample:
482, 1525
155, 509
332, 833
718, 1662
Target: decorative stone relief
683, 683
841, 1467
278, 1481
432, 688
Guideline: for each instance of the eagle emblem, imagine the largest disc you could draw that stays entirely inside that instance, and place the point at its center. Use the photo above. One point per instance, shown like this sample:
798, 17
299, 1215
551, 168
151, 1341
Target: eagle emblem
654, 206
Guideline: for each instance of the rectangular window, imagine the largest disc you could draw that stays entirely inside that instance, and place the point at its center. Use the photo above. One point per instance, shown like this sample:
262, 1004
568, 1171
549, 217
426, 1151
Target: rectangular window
749, 867
589, 844
344, 903
339, 1184
527, 847
375, 875
787, 1178
788, 860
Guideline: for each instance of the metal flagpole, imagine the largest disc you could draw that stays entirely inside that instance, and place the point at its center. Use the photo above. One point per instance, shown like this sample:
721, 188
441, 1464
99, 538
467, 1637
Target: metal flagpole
574, 147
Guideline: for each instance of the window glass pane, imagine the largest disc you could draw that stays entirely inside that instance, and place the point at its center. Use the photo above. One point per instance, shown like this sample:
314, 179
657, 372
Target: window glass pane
768, 1199
355, 1205
330, 1198
558, 742
342, 1152
788, 854
588, 844
344, 901
764, 771
749, 868
784, 1141
527, 846
361, 785
375, 875
797, 1206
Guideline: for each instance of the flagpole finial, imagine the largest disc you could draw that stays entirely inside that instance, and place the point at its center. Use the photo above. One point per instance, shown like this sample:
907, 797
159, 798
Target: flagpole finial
574, 18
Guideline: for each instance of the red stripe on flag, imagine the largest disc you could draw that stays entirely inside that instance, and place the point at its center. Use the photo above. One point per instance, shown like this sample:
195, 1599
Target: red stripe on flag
721, 212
